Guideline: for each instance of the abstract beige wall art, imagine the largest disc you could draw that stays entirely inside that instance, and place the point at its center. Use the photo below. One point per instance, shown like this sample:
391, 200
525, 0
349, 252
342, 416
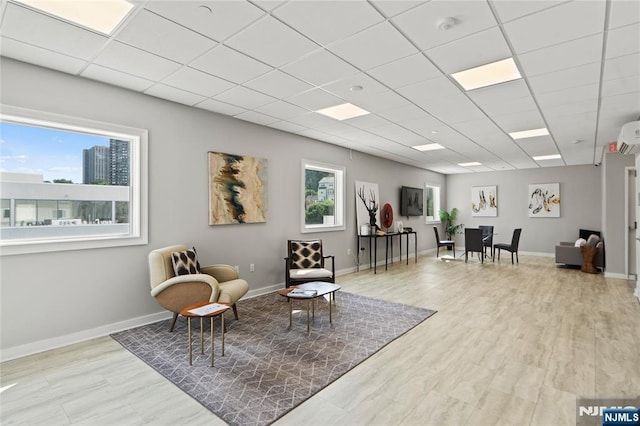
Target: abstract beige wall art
544, 200
237, 189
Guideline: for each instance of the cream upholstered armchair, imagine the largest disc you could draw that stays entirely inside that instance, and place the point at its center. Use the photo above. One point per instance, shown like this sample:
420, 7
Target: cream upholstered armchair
215, 283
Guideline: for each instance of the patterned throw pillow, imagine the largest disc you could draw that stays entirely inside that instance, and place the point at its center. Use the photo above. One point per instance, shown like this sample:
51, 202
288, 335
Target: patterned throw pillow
306, 254
185, 262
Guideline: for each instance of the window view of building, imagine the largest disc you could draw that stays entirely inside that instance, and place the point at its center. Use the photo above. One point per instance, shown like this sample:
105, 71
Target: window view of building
58, 184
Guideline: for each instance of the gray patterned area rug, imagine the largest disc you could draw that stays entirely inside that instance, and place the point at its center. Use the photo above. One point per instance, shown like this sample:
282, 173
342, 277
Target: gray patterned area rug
268, 369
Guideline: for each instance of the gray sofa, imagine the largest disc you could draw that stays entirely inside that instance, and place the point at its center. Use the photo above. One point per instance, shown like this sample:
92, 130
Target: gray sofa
568, 254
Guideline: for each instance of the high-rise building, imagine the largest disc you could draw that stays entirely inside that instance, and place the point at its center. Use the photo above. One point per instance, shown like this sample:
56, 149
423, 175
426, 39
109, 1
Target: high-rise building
95, 164
118, 162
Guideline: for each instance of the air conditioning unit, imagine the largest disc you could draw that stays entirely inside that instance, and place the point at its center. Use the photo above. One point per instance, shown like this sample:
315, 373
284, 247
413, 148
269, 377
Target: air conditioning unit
629, 139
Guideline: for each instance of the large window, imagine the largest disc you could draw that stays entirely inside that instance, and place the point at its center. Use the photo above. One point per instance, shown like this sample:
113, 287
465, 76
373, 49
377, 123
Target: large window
70, 183
432, 203
323, 197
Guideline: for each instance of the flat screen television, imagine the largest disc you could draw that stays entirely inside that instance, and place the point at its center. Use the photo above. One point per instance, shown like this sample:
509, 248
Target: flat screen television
411, 201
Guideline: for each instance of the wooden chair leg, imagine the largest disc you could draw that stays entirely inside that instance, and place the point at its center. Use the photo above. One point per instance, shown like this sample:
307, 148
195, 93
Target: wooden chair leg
173, 322
235, 310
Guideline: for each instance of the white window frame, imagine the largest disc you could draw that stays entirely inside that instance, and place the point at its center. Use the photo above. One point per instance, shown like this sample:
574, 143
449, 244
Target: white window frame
436, 204
138, 182
339, 202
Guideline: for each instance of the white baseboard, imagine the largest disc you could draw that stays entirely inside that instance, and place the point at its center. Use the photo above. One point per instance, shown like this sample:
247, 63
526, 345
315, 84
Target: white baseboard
81, 336
615, 275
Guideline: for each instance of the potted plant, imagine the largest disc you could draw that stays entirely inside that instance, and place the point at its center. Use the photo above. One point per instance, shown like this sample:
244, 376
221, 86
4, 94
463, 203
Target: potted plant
448, 218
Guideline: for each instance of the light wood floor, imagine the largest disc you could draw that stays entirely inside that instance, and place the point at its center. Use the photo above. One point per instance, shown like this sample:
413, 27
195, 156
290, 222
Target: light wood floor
510, 344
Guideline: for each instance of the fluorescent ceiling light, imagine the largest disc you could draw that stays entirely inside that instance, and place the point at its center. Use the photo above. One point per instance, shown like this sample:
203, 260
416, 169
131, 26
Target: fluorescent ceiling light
529, 133
100, 15
487, 75
343, 111
547, 157
428, 147
473, 163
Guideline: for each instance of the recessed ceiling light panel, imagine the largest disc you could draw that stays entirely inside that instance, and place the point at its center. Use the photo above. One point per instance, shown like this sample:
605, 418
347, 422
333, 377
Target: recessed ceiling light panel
103, 15
488, 75
428, 147
473, 163
343, 111
529, 133
547, 157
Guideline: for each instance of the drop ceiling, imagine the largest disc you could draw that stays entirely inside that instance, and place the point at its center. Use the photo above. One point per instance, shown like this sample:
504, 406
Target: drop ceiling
275, 63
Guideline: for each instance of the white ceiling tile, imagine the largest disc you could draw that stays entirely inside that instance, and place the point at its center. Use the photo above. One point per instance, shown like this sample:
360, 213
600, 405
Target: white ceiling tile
424, 125
567, 78
278, 84
175, 95
426, 91
220, 107
562, 56
45, 58
453, 109
509, 10
319, 68
343, 87
197, 82
282, 110
623, 41
583, 107
134, 61
230, 65
572, 94
623, 66
523, 120
287, 126
624, 13
621, 86
368, 121
405, 71
269, 5
156, 34
244, 97
37, 29
116, 78
312, 120
315, 99
624, 106
328, 21
405, 113
375, 46
256, 117
391, 8
226, 19
421, 24
560, 24
272, 42
381, 101
477, 49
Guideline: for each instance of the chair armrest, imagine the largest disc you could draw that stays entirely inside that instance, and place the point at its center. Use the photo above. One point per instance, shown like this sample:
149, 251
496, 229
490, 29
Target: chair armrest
333, 264
567, 243
190, 278
220, 272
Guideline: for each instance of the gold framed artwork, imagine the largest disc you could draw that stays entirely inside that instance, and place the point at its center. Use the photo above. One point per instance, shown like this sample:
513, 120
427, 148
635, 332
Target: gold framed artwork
237, 189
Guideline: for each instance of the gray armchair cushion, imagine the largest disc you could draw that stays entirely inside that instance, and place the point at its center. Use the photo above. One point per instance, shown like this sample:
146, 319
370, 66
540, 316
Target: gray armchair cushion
568, 254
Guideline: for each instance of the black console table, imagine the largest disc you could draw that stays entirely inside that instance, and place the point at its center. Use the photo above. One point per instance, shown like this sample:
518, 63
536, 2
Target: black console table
373, 254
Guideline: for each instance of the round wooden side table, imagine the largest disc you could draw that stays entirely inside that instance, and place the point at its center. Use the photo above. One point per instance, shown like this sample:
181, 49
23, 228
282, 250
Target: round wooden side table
204, 310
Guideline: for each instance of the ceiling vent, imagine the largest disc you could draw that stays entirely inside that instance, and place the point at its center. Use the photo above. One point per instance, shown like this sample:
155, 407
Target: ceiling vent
629, 139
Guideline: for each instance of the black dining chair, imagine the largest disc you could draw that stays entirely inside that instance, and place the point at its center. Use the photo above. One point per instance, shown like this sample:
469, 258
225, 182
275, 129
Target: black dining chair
513, 247
444, 243
487, 238
473, 243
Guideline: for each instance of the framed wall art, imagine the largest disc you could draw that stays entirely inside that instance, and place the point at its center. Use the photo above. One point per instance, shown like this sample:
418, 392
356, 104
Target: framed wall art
544, 200
237, 189
484, 201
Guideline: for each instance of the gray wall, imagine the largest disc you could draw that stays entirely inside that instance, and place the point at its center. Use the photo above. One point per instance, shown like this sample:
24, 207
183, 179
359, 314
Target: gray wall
613, 170
580, 204
68, 293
